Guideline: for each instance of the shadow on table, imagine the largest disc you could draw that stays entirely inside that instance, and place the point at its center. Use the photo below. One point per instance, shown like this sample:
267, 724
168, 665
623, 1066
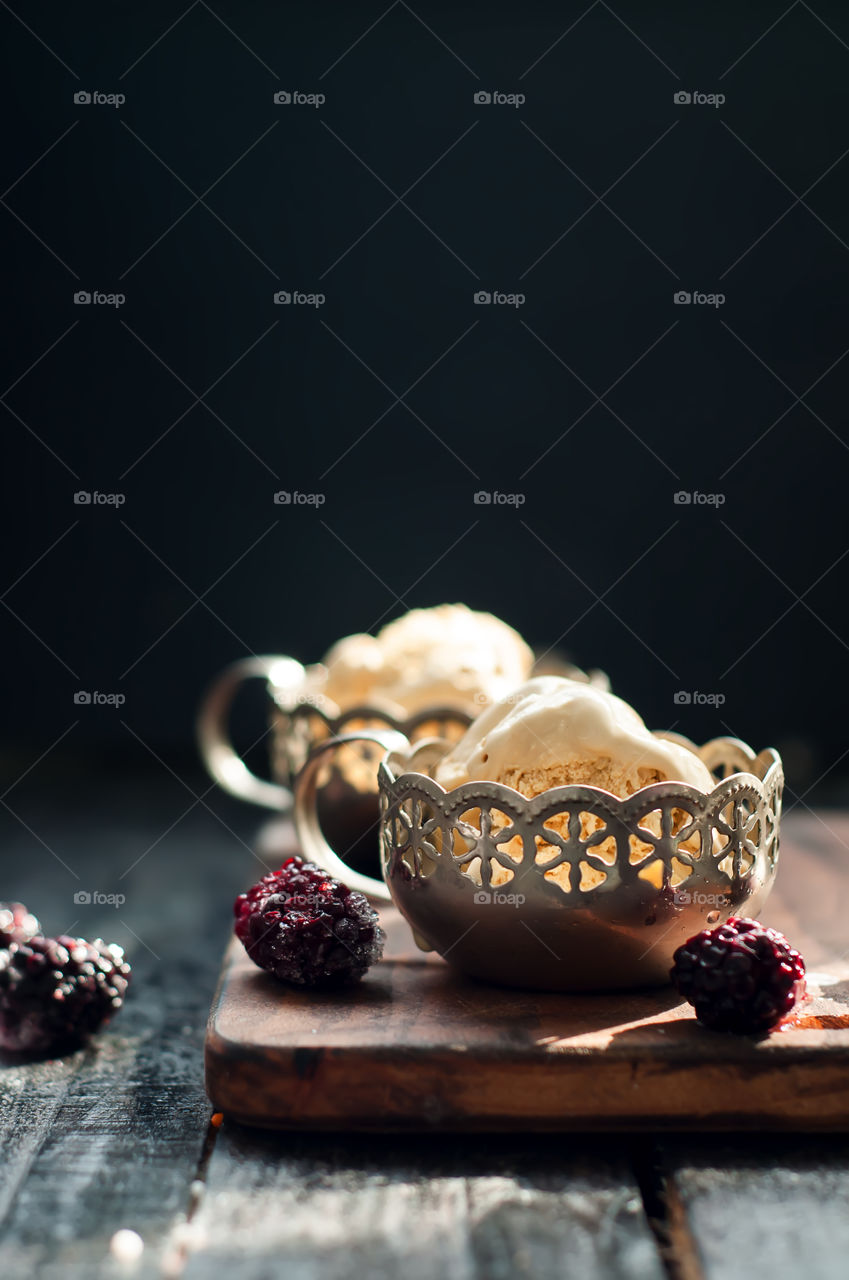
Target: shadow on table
428, 1155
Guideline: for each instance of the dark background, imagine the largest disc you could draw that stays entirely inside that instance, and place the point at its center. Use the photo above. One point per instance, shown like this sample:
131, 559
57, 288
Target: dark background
749, 199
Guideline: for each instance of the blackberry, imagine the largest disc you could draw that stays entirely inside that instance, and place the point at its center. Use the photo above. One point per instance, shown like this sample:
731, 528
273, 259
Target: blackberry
16, 923
54, 992
740, 976
307, 928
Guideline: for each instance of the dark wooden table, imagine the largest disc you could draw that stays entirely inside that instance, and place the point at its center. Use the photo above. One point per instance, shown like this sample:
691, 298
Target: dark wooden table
119, 1135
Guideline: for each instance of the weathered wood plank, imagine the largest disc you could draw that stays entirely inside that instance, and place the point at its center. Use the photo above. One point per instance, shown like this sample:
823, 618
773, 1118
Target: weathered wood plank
112, 1135
123, 1142
30, 1097
483, 1207
769, 1207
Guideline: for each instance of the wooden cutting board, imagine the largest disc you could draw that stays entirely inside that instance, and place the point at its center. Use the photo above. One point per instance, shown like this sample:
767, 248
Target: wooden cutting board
415, 1046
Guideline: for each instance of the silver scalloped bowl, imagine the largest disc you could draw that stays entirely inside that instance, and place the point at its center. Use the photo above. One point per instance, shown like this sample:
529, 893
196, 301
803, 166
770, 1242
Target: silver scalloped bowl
576, 890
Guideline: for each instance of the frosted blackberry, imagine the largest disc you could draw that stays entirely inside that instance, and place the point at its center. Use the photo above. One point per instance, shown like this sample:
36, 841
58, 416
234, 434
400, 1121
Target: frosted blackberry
307, 928
54, 992
17, 924
740, 976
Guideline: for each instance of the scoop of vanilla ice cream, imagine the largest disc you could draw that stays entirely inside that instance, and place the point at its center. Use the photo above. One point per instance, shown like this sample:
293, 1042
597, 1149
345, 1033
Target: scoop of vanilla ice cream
353, 667
553, 732
449, 655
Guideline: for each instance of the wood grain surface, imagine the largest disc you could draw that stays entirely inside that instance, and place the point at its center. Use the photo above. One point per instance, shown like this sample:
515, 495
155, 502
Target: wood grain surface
500, 1207
417, 1046
114, 1134
776, 1207
118, 1135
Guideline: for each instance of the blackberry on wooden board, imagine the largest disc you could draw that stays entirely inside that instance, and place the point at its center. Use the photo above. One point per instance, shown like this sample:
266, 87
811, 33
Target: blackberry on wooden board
740, 976
307, 928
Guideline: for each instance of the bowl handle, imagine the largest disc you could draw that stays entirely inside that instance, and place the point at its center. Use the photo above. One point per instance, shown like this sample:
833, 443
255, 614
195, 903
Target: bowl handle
213, 732
311, 838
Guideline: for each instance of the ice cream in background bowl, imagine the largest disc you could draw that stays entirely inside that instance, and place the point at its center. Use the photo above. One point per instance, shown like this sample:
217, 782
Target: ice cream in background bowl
449, 655
428, 673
